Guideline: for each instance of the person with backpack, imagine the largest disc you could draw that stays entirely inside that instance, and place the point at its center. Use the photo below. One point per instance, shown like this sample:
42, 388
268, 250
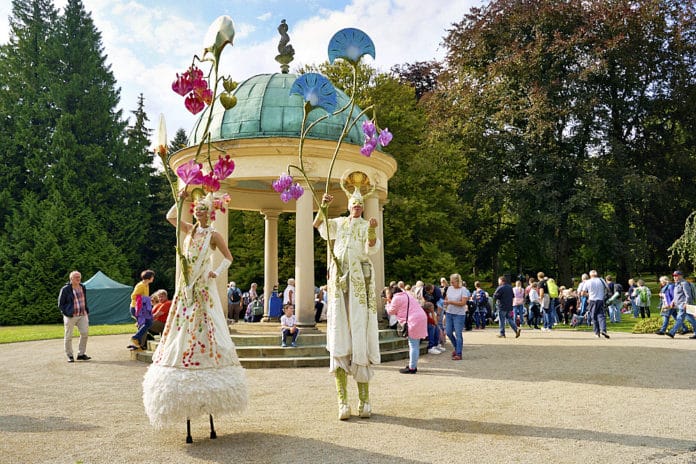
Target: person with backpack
614, 301
545, 302
631, 295
480, 298
234, 303
684, 293
642, 293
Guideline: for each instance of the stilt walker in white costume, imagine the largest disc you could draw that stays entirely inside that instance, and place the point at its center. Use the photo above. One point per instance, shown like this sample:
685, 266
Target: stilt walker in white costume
352, 335
195, 370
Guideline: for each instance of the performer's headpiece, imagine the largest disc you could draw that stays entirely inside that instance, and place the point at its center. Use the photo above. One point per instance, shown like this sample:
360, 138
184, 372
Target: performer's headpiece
356, 199
358, 181
210, 202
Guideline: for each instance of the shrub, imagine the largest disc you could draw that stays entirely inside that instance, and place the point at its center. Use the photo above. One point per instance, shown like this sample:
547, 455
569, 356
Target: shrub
652, 325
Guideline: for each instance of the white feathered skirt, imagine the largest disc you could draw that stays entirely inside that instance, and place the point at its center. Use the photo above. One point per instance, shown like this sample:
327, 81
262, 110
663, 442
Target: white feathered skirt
171, 395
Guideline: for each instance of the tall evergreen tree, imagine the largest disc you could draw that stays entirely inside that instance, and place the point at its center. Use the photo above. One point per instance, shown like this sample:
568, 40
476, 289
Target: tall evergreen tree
28, 70
81, 191
179, 142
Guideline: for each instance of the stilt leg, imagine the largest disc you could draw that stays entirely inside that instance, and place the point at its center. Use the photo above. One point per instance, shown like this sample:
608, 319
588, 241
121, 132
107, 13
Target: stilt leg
341, 390
188, 431
364, 408
213, 435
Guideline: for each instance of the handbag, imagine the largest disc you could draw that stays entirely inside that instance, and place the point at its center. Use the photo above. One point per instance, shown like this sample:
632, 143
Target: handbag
402, 329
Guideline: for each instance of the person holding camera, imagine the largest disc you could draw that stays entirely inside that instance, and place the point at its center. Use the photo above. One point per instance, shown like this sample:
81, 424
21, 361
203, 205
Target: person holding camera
408, 311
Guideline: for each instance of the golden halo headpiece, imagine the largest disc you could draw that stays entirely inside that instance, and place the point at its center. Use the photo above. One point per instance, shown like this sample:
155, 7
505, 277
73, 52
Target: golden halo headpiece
361, 185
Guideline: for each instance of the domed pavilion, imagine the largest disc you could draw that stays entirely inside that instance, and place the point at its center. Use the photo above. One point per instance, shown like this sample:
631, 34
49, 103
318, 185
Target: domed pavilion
262, 133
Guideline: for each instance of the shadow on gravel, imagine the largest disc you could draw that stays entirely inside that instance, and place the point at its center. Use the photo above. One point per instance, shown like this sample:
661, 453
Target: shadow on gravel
274, 448
622, 366
515, 430
41, 424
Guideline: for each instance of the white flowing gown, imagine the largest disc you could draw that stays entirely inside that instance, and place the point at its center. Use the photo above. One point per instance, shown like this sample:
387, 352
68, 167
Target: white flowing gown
352, 335
195, 370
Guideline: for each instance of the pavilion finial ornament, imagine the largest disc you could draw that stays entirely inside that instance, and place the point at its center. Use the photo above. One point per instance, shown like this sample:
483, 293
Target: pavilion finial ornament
200, 91
319, 93
285, 51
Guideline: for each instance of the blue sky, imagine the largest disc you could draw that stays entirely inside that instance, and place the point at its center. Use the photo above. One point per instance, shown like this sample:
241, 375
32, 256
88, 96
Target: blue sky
148, 41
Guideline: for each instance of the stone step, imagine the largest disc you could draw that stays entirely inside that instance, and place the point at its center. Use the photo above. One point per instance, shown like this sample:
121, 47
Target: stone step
266, 362
306, 337
257, 349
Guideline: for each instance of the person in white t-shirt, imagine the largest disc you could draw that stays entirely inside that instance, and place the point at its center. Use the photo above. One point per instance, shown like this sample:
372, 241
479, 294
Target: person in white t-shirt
288, 326
289, 293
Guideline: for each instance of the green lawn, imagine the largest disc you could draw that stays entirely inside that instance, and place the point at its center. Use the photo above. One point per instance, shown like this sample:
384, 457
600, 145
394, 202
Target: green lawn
25, 333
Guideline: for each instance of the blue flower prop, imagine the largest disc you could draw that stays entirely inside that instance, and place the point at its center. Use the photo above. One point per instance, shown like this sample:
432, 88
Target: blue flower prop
316, 90
350, 44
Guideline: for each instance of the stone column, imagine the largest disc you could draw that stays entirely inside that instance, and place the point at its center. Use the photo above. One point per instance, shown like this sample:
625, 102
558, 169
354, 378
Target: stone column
373, 209
270, 257
304, 261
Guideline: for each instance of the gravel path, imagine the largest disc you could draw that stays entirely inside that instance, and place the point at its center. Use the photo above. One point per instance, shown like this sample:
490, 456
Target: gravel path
560, 397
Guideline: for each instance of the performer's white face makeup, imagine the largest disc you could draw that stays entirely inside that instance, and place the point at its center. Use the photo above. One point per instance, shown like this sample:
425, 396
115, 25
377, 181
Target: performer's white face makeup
356, 210
201, 213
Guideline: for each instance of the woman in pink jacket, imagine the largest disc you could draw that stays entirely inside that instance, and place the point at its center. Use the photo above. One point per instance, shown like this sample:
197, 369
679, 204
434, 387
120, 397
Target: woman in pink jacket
399, 304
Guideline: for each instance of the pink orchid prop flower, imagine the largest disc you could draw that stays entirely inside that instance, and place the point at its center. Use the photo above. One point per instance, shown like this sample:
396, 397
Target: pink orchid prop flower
368, 128
190, 173
385, 137
224, 167
211, 183
296, 191
222, 202
193, 104
369, 146
288, 191
182, 84
285, 196
282, 183
194, 86
205, 95
371, 142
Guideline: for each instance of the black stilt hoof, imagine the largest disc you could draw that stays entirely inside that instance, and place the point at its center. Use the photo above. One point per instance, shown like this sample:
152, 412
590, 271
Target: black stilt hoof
213, 435
188, 431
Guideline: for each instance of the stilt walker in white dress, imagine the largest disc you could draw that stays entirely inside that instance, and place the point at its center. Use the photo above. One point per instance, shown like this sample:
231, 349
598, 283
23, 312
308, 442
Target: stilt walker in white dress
195, 370
352, 334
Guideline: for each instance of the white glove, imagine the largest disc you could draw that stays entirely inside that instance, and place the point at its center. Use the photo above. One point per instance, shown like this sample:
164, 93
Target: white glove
224, 264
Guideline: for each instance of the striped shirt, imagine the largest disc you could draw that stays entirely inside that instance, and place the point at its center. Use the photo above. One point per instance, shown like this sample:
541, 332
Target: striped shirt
78, 302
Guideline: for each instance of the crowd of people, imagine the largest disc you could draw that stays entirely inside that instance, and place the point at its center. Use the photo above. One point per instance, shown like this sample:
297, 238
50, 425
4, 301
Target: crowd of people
539, 303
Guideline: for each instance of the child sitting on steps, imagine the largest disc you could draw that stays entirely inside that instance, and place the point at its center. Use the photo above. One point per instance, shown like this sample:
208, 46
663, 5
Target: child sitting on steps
288, 326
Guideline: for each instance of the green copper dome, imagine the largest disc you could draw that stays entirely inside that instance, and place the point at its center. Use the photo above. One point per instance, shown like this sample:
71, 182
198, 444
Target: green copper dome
265, 109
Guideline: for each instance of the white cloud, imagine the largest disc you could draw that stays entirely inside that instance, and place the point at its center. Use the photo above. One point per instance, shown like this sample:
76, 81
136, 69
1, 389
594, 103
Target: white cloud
265, 16
243, 30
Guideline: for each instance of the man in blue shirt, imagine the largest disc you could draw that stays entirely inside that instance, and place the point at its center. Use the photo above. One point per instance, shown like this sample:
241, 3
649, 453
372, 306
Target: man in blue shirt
503, 296
596, 288
682, 297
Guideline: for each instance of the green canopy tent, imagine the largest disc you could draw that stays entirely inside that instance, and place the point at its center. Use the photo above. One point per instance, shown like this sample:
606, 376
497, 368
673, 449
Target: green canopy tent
108, 300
